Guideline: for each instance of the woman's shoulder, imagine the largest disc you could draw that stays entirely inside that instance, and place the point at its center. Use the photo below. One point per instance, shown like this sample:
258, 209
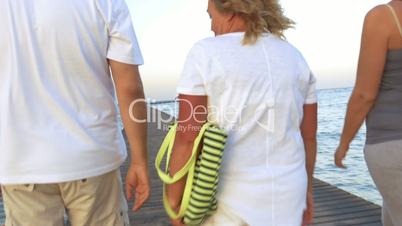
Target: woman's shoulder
228, 39
205, 42
215, 45
233, 41
378, 14
379, 20
284, 46
378, 10
281, 43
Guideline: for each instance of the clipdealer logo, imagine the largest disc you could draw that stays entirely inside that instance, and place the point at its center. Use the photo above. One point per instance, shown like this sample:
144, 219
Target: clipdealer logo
230, 117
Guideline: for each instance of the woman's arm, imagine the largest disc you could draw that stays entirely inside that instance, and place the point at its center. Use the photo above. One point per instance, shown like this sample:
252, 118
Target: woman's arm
372, 59
192, 115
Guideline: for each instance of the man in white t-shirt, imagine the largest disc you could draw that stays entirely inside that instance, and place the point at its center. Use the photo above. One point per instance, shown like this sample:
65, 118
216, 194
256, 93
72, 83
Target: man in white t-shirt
61, 64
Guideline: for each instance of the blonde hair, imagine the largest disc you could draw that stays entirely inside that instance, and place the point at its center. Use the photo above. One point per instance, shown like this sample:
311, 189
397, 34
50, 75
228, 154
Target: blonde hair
259, 15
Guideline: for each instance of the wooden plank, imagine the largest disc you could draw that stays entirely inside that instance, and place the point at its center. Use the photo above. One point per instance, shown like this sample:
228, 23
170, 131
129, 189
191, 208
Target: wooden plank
352, 222
344, 205
355, 217
342, 211
337, 207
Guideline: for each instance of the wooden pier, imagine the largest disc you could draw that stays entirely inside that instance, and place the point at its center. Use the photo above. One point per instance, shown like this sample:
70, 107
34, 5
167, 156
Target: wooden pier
333, 207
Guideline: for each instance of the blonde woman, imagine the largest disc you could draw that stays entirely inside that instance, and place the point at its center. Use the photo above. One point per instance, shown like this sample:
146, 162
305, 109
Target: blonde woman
377, 97
259, 88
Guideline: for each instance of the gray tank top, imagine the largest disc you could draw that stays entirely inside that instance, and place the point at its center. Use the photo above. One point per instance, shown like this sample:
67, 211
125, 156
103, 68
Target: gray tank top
384, 121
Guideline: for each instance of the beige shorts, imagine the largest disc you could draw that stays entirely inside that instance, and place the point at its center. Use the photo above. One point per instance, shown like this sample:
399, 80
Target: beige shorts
95, 201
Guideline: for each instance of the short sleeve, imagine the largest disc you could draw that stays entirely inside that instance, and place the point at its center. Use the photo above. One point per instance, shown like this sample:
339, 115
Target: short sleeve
123, 45
192, 80
311, 93
309, 81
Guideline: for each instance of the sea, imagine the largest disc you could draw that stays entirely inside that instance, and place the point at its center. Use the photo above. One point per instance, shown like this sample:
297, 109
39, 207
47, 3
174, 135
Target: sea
331, 112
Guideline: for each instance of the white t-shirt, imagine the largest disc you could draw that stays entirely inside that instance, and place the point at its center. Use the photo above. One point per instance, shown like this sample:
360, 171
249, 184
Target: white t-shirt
256, 92
57, 113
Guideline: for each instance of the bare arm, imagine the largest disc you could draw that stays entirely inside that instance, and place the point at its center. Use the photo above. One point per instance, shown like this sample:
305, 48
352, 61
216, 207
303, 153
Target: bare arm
372, 58
309, 133
129, 89
192, 115
308, 130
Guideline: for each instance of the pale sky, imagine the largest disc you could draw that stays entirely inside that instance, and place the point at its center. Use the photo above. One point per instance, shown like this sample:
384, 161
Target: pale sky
327, 33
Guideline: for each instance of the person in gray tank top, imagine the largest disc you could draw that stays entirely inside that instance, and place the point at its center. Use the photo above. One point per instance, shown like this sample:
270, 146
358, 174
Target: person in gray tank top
377, 98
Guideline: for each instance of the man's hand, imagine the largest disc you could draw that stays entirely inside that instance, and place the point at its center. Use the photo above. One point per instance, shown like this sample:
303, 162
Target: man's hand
138, 185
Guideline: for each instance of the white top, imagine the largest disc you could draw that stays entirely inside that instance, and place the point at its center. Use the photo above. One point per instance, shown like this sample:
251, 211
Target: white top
257, 94
57, 113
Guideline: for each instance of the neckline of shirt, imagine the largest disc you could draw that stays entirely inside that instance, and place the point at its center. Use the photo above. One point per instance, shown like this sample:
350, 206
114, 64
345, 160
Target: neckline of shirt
232, 34
240, 33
